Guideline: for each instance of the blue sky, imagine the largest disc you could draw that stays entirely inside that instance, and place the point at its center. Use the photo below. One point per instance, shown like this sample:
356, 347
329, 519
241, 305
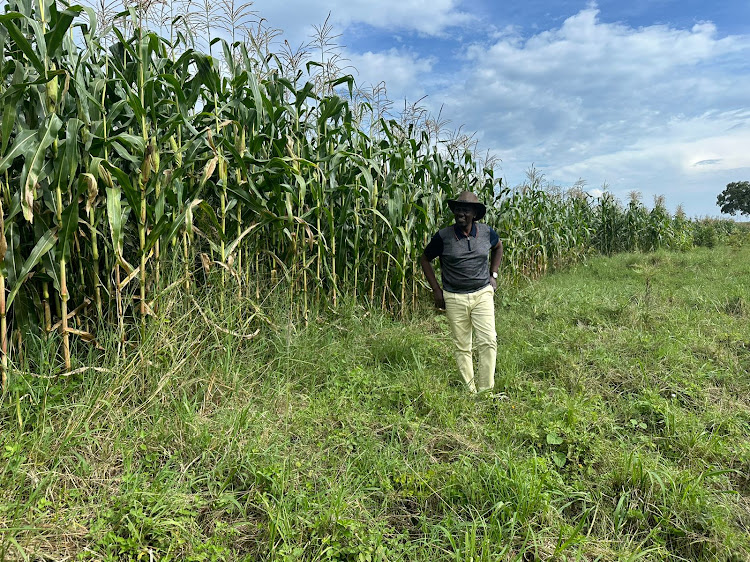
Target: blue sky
644, 95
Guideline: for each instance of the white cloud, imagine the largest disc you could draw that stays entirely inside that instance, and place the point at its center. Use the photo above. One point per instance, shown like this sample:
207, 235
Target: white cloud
431, 17
403, 72
297, 17
686, 168
608, 102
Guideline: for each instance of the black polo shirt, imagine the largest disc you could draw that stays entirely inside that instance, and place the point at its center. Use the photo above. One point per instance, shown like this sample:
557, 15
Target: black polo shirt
464, 260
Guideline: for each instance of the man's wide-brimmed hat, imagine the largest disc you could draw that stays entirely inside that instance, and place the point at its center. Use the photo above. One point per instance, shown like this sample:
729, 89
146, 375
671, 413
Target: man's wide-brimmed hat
468, 199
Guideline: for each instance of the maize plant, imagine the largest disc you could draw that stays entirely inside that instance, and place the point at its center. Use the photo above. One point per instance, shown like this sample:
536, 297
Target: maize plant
121, 150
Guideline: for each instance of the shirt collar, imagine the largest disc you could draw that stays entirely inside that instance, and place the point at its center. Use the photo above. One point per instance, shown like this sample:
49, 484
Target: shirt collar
460, 234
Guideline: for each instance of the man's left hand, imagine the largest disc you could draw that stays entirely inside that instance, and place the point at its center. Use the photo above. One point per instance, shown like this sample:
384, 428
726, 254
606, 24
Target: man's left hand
493, 282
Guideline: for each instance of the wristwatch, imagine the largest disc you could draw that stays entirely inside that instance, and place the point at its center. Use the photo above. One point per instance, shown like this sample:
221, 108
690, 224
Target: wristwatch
494, 274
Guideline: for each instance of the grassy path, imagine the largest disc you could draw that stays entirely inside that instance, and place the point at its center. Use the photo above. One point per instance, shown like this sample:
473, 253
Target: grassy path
619, 432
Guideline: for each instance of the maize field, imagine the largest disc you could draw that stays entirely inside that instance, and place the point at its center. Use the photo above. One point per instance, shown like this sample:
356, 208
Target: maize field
125, 154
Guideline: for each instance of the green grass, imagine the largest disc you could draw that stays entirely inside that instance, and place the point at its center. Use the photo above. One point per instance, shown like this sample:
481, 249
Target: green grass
620, 431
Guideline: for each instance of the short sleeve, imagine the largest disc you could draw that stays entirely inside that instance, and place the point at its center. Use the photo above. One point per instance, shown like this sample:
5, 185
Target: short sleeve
494, 238
435, 248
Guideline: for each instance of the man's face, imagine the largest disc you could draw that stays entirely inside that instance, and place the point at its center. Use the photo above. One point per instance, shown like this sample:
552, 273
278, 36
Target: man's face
464, 215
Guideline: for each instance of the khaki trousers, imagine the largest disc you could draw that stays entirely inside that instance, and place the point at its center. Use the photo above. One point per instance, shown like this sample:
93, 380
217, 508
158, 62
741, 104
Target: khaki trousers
473, 311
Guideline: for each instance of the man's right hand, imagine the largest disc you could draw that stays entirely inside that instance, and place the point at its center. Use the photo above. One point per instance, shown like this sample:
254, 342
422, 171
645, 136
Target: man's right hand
439, 299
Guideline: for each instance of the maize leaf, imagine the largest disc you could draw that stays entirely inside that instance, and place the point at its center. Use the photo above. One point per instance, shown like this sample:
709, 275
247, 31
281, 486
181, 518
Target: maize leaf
20, 40
55, 36
34, 165
44, 245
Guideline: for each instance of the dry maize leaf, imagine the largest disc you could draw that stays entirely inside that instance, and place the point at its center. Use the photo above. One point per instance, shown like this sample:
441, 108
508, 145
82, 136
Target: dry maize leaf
206, 262
209, 169
92, 190
27, 203
84, 335
189, 220
106, 176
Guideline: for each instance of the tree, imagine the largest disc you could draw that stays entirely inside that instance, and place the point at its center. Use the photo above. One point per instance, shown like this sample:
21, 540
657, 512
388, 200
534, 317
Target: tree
736, 197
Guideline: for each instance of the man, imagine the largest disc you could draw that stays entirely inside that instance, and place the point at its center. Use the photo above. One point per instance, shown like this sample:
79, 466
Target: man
469, 283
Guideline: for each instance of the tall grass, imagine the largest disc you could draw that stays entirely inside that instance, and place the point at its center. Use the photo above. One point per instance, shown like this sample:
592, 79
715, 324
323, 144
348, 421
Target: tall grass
350, 439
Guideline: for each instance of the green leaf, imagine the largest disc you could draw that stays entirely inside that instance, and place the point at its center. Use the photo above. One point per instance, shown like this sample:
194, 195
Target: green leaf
41, 46
123, 152
135, 104
382, 217
209, 213
55, 37
15, 206
44, 245
132, 142
160, 204
67, 229
156, 233
176, 87
207, 73
186, 217
24, 141
240, 193
131, 194
124, 43
312, 63
92, 21
9, 121
114, 215
52, 270
34, 163
554, 439
348, 80
560, 459
69, 164
20, 40
12, 259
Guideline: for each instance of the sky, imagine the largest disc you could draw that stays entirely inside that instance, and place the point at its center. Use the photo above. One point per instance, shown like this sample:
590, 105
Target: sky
650, 96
